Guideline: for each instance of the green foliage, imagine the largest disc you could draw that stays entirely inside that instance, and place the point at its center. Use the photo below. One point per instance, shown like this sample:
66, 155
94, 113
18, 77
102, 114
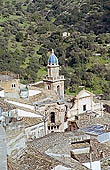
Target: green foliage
29, 29
41, 72
19, 37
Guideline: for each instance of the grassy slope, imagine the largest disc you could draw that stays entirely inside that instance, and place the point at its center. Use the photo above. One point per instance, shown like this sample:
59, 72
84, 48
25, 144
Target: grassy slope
32, 42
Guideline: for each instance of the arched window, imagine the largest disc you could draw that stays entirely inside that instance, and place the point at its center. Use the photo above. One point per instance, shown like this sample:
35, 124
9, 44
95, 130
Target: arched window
49, 72
48, 87
58, 90
52, 117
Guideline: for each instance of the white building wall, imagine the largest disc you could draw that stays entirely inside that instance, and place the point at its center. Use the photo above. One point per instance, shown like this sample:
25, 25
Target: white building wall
84, 101
85, 98
105, 137
34, 92
81, 150
2, 93
21, 104
78, 106
95, 165
61, 167
63, 125
35, 131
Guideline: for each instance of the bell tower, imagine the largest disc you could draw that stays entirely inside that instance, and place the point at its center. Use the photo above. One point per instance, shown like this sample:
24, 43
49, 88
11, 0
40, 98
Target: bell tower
54, 81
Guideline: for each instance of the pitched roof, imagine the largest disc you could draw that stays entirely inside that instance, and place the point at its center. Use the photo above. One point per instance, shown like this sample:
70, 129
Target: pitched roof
96, 150
58, 144
83, 93
6, 106
32, 159
13, 165
5, 76
30, 121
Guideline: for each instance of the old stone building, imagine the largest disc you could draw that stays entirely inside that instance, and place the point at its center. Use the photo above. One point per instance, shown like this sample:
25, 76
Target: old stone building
54, 81
60, 114
84, 103
14, 128
10, 83
53, 113
56, 116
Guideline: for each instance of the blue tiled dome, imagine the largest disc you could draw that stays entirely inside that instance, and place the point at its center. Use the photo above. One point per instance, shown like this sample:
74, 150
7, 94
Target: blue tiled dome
53, 59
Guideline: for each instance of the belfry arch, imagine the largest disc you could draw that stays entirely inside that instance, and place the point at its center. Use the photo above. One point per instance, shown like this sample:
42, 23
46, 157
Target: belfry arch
58, 90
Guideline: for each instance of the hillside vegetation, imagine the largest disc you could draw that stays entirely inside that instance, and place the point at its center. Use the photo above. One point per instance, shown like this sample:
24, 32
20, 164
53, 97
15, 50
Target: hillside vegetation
30, 28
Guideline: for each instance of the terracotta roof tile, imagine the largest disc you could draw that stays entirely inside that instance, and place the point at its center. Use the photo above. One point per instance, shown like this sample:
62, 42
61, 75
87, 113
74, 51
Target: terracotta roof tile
6, 106
33, 160
29, 121
13, 165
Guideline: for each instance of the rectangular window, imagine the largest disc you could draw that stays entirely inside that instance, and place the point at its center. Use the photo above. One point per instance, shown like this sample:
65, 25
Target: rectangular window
57, 126
84, 107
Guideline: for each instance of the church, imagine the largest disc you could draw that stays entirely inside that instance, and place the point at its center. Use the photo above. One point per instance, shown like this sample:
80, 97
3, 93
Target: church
54, 110
61, 113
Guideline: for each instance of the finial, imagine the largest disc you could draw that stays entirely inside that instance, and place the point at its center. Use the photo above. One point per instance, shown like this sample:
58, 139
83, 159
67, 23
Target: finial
52, 51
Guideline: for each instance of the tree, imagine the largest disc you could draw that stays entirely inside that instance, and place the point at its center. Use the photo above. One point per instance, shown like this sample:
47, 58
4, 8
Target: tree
19, 37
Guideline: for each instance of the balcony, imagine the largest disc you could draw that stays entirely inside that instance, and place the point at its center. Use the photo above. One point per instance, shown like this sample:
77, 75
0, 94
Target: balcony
46, 78
54, 124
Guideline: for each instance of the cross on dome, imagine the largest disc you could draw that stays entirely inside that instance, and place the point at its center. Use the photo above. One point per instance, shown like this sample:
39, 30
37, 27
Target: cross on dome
52, 51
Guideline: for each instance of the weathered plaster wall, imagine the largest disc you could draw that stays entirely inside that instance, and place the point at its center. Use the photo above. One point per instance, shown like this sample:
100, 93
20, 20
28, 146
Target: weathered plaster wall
2, 93
7, 85
35, 131
15, 139
3, 149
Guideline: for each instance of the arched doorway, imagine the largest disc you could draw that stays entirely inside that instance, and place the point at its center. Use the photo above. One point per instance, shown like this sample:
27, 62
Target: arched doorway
52, 117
